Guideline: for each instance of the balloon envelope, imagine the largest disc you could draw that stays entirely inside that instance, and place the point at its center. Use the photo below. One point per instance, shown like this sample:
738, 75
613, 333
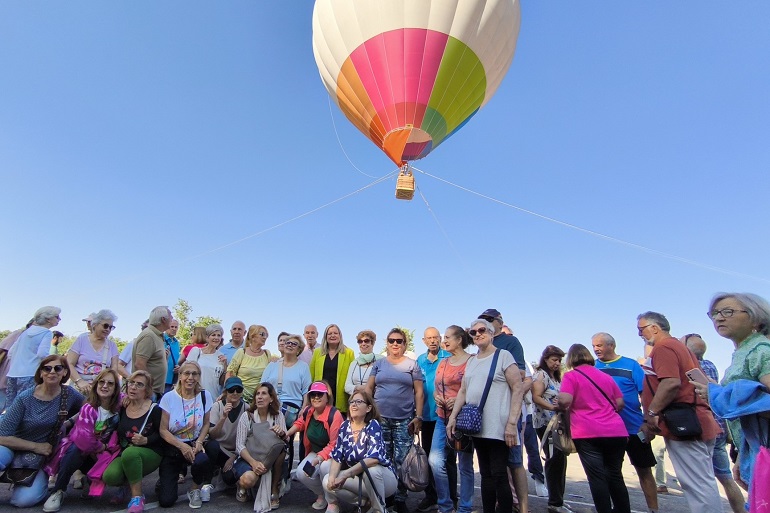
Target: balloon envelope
410, 73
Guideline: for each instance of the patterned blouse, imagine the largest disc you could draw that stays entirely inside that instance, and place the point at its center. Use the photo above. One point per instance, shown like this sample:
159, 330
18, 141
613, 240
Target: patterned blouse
542, 417
369, 445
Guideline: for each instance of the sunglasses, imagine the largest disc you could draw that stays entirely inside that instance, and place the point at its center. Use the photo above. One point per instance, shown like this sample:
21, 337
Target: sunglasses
316, 395
365, 341
396, 341
291, 343
235, 390
53, 368
108, 326
479, 331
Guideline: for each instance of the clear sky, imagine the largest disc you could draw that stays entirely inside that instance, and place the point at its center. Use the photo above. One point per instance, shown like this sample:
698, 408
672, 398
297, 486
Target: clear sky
151, 151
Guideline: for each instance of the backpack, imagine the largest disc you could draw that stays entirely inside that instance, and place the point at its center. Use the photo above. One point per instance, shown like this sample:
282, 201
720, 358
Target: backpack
309, 412
414, 471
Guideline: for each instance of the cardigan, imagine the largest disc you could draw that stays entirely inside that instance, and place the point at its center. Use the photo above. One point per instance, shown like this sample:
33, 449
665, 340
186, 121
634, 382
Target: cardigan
345, 358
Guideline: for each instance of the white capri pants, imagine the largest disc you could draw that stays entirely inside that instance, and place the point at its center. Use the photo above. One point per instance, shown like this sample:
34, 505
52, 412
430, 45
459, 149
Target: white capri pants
384, 482
314, 483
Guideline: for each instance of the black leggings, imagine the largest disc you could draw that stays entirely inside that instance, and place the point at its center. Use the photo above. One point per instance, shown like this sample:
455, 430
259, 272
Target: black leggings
493, 467
172, 464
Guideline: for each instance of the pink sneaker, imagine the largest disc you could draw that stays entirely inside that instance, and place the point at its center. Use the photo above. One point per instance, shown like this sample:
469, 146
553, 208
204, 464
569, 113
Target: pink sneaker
136, 505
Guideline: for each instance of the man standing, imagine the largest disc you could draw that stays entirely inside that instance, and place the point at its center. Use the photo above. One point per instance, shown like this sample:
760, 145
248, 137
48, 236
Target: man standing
237, 336
172, 354
666, 383
516, 456
150, 350
629, 376
720, 460
428, 363
311, 336
57, 338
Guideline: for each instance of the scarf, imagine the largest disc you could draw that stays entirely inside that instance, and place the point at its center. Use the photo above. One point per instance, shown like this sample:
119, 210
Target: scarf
365, 359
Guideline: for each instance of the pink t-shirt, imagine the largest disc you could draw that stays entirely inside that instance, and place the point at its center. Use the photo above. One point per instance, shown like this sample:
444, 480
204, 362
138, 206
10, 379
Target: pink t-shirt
90, 363
591, 414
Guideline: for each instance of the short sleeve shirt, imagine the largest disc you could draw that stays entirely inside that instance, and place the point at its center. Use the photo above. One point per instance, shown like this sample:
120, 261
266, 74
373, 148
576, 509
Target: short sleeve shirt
90, 362
394, 387
149, 344
185, 416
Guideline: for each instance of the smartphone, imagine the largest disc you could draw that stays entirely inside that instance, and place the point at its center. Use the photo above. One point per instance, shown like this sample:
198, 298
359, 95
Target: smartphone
697, 376
309, 469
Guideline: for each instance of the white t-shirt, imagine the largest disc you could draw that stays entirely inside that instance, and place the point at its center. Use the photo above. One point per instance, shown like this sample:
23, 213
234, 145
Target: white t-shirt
185, 416
125, 355
211, 369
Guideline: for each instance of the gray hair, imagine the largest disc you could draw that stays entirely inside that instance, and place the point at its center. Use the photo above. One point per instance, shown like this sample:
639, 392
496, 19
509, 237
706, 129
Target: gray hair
158, 314
45, 313
606, 338
756, 306
213, 328
102, 316
488, 325
657, 319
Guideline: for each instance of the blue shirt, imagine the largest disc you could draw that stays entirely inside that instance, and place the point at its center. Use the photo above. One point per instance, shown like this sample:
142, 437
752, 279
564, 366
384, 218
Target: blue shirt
229, 350
428, 369
629, 376
513, 346
173, 359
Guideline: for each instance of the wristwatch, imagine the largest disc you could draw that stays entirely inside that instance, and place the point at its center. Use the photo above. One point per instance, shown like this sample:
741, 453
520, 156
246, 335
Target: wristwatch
418, 417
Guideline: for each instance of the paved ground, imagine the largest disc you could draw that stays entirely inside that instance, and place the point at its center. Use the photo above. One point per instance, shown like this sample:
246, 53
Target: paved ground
298, 500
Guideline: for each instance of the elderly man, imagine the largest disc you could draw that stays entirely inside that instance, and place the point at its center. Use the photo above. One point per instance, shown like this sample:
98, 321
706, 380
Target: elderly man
666, 383
150, 349
237, 336
720, 460
629, 376
311, 337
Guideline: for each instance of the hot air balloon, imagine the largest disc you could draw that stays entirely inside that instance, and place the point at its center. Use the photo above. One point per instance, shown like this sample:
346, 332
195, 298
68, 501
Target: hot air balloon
410, 73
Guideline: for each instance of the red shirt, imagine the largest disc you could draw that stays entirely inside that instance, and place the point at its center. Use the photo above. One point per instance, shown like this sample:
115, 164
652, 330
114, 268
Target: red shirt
671, 359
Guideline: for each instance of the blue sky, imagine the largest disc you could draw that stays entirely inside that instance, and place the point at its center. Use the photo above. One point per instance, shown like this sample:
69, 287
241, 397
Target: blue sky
143, 143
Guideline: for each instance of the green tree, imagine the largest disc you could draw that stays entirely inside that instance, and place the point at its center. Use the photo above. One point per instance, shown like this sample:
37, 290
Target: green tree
4, 334
182, 312
409, 340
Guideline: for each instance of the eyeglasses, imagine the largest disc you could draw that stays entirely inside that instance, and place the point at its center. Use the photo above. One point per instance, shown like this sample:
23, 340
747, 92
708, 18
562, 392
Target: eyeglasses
103, 383
641, 329
396, 341
136, 384
316, 395
433, 338
724, 312
194, 374
365, 341
356, 402
235, 390
479, 331
108, 326
52, 368
291, 343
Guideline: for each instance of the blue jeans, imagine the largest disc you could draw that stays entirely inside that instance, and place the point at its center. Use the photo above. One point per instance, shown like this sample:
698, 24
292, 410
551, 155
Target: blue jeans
395, 434
437, 459
25, 496
534, 465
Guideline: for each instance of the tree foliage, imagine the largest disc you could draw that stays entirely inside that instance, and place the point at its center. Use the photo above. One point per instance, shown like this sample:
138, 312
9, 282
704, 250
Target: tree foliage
182, 312
409, 340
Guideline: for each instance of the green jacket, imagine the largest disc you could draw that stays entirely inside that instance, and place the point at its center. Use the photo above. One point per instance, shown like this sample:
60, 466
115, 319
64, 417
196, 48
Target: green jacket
345, 358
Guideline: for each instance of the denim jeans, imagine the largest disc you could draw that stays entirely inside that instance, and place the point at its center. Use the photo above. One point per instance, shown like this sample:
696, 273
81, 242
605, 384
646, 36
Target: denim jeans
602, 460
72, 460
395, 434
534, 464
25, 496
438, 461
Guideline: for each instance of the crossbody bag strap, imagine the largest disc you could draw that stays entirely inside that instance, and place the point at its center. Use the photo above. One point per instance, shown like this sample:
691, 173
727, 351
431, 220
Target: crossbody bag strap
144, 424
53, 436
490, 378
279, 388
368, 475
597, 388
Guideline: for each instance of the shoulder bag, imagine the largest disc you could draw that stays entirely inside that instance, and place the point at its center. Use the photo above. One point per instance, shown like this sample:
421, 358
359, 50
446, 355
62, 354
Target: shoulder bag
262, 442
470, 415
26, 464
414, 472
681, 418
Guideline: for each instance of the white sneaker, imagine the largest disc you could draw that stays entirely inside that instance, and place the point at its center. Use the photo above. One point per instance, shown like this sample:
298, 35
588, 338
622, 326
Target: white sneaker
541, 489
77, 480
195, 499
206, 492
54, 502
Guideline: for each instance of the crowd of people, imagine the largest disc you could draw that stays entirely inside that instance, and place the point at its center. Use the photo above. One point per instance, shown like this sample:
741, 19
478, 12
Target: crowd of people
234, 409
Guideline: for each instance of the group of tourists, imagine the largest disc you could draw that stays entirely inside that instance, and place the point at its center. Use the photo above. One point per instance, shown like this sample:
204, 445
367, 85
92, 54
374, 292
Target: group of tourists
235, 409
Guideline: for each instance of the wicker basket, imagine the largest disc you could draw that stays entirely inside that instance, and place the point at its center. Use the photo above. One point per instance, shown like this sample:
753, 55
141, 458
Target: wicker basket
405, 184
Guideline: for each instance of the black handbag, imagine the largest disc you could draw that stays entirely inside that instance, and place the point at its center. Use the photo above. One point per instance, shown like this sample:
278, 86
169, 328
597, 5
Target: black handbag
460, 442
681, 418
26, 464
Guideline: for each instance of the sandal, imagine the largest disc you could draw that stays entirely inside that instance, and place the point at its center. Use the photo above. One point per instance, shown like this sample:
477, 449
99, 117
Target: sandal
274, 502
319, 504
240, 493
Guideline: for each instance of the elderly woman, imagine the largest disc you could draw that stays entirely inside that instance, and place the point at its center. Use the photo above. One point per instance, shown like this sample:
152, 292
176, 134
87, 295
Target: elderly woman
211, 361
546, 383
249, 362
331, 363
184, 426
396, 382
32, 423
90, 434
291, 379
30, 348
744, 319
593, 400
361, 368
449, 377
320, 422
359, 444
93, 352
139, 439
500, 417
224, 426
265, 408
